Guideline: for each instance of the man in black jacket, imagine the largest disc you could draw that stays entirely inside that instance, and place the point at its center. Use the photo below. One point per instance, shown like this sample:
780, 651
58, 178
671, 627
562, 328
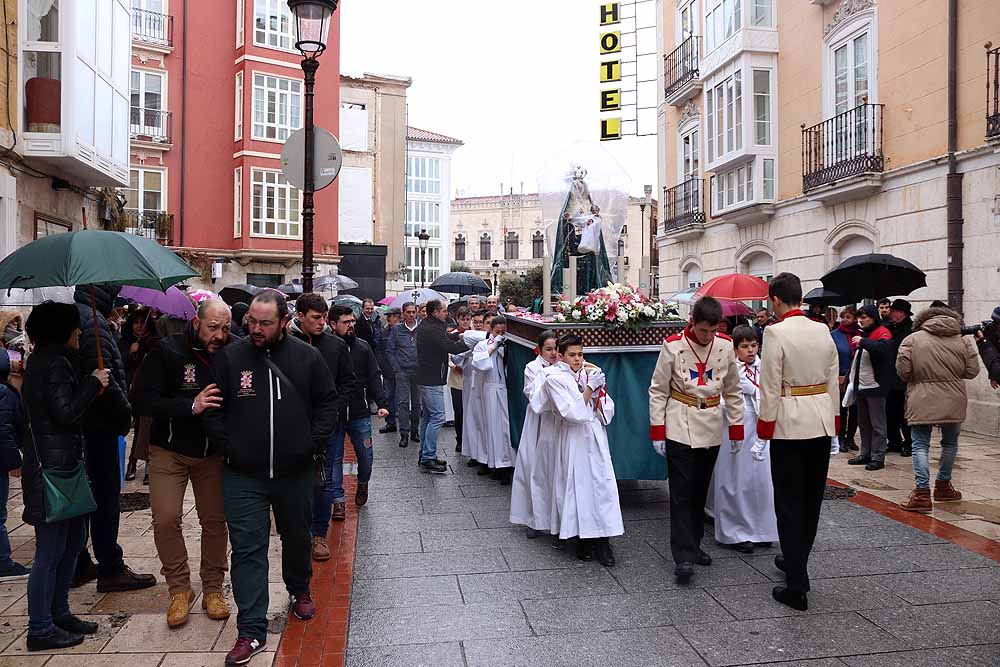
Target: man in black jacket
900, 325
368, 327
434, 345
310, 326
279, 406
988, 341
107, 418
174, 386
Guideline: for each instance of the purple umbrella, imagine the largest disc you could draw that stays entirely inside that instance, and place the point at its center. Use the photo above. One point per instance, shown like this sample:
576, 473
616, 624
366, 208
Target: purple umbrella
172, 302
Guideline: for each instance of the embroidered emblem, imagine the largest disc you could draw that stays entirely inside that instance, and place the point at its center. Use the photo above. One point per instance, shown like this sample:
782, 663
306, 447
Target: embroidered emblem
189, 374
701, 374
246, 380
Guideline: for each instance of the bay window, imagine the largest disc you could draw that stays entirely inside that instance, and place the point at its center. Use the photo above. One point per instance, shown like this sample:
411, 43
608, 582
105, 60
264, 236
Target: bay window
277, 104
423, 175
748, 183
432, 264
273, 25
723, 19
762, 13
275, 205
762, 107
425, 215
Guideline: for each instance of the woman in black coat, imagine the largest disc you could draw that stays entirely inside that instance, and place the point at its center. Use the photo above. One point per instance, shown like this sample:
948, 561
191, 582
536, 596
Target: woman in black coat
55, 399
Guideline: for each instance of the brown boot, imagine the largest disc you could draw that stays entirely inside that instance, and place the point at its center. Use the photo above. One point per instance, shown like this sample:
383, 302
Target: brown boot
339, 512
361, 497
321, 550
215, 605
920, 501
944, 491
180, 607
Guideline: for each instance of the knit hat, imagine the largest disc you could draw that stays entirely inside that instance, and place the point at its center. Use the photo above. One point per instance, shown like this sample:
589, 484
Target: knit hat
870, 310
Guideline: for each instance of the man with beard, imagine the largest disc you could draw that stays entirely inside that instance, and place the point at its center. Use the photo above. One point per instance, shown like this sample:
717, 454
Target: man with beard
279, 407
174, 386
900, 325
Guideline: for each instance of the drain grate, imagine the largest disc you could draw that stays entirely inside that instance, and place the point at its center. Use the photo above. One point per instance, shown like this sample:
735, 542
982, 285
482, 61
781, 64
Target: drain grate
838, 493
133, 502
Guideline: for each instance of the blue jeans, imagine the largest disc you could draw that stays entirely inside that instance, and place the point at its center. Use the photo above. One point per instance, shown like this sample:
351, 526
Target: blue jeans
389, 382
360, 431
5, 560
431, 420
921, 453
57, 546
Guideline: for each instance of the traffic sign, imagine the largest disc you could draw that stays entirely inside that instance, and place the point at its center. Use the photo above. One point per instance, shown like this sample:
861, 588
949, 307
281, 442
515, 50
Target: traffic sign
327, 158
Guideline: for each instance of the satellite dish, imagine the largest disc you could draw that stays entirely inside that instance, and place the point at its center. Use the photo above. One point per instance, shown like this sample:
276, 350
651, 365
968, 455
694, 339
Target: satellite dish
327, 158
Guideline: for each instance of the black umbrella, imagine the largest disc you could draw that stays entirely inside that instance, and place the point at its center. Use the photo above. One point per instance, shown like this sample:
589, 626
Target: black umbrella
874, 276
290, 289
234, 294
460, 282
824, 297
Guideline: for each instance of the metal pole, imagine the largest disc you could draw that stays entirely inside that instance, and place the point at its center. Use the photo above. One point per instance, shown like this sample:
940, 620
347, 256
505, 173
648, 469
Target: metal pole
309, 67
642, 243
423, 263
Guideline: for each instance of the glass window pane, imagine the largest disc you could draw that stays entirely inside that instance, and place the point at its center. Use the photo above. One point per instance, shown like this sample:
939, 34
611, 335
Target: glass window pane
762, 106
738, 78
860, 69
840, 80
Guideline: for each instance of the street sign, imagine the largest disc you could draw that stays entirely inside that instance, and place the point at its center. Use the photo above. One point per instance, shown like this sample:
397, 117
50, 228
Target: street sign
327, 158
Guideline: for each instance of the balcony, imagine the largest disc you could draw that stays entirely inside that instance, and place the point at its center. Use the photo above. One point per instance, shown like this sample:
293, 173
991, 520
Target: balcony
842, 157
155, 225
681, 76
151, 127
684, 210
152, 29
992, 94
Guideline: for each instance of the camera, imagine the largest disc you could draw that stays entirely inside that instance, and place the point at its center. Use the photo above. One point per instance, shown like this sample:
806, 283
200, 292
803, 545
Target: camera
988, 327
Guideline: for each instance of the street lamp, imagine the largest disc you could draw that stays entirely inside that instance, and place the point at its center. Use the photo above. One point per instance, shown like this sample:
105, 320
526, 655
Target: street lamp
646, 265
422, 239
496, 277
312, 25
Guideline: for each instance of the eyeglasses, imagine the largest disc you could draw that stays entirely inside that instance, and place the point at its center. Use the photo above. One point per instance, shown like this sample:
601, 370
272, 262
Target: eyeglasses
253, 322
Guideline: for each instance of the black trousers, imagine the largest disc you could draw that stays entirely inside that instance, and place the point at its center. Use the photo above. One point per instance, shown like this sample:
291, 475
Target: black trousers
798, 472
105, 481
895, 416
848, 422
456, 404
689, 470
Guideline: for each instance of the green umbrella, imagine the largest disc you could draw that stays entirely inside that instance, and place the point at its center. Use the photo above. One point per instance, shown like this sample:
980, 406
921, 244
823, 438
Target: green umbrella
91, 256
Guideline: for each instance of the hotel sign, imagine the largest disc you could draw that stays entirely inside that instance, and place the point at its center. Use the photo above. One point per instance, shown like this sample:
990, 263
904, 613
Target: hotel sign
610, 45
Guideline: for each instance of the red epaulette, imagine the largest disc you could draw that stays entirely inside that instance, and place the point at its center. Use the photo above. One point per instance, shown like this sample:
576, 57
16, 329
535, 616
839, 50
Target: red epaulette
723, 336
673, 338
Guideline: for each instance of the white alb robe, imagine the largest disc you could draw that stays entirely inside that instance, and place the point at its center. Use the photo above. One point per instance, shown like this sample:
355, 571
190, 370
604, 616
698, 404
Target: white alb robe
473, 430
488, 362
587, 490
531, 489
743, 496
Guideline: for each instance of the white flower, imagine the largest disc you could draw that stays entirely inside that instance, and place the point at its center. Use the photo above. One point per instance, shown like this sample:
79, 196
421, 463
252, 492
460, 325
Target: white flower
559, 317
576, 313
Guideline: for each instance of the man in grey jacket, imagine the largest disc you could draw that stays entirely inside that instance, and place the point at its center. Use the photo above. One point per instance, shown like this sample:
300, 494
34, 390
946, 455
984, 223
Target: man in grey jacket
401, 352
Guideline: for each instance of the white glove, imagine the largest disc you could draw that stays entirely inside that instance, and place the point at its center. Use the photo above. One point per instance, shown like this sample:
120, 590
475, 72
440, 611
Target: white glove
661, 447
735, 446
757, 451
834, 446
596, 380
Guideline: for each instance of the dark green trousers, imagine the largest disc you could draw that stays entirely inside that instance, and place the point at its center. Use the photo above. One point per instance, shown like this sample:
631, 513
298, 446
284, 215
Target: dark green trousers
249, 502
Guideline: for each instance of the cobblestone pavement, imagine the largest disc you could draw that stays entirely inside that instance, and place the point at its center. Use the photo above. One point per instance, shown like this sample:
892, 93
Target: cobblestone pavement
440, 578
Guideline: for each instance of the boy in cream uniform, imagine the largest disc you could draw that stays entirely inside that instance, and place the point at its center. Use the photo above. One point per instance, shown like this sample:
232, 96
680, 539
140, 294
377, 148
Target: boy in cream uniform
799, 414
694, 370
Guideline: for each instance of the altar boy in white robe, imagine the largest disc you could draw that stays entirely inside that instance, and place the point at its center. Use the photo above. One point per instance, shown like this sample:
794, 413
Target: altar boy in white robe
488, 361
742, 490
589, 508
531, 490
473, 416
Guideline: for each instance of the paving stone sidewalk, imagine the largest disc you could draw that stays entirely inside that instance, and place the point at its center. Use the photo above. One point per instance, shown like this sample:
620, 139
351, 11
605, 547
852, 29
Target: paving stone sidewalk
442, 579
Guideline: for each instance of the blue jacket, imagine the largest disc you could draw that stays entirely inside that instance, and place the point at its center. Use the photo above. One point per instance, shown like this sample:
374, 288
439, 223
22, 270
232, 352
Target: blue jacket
11, 420
401, 349
843, 344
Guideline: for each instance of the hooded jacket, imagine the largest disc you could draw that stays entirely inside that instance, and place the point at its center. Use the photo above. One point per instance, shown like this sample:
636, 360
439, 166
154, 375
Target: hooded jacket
279, 407
934, 362
369, 381
174, 372
338, 360
109, 413
11, 420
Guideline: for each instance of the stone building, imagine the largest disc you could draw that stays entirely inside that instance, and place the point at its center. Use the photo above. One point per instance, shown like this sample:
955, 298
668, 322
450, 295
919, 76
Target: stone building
791, 140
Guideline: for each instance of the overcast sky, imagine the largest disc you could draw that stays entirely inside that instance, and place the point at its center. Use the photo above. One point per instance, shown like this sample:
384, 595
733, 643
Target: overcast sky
515, 80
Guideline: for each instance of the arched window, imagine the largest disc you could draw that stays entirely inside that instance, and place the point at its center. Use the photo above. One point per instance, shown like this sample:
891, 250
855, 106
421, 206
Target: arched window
459, 248
538, 245
484, 248
621, 246
510, 246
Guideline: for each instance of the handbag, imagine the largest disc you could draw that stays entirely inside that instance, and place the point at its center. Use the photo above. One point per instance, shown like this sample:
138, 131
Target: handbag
66, 493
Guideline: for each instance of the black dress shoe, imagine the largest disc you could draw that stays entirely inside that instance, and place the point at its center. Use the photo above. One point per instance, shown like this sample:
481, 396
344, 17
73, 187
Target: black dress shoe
851, 445
125, 580
71, 623
779, 562
472, 463
602, 550
414, 436
744, 547
130, 471
684, 570
404, 440
56, 639
388, 428
458, 448
793, 599
906, 451
483, 470
859, 461
84, 574
703, 558
875, 465
585, 549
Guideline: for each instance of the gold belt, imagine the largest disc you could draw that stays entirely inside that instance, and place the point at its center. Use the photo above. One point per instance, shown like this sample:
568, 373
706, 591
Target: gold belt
804, 390
694, 401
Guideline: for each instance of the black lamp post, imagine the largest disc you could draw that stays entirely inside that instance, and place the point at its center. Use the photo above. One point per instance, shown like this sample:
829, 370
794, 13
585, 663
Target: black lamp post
423, 238
496, 277
312, 23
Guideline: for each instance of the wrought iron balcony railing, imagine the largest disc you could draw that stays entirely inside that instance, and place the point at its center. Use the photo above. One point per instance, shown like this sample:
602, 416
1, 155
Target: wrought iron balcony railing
993, 93
150, 125
684, 205
681, 65
849, 144
155, 225
152, 27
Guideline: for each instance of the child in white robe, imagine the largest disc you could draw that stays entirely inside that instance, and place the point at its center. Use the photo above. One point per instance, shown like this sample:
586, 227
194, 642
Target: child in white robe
531, 490
741, 486
589, 508
473, 418
488, 361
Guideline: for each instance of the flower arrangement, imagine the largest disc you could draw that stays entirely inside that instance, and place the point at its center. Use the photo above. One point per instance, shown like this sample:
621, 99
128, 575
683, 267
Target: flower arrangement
616, 305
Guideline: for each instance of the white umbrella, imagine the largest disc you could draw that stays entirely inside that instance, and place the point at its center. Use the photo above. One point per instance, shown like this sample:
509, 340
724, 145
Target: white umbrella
418, 295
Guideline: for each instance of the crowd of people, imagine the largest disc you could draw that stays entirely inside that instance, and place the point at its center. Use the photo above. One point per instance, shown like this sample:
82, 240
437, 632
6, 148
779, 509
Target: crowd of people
252, 405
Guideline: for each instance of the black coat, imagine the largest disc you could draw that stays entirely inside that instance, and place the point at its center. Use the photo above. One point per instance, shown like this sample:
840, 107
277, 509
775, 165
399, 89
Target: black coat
883, 359
110, 413
991, 358
433, 347
56, 400
269, 426
369, 386
173, 373
338, 360
899, 332
368, 331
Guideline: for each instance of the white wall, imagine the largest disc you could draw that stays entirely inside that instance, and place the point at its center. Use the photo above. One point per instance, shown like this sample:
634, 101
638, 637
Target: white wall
356, 214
